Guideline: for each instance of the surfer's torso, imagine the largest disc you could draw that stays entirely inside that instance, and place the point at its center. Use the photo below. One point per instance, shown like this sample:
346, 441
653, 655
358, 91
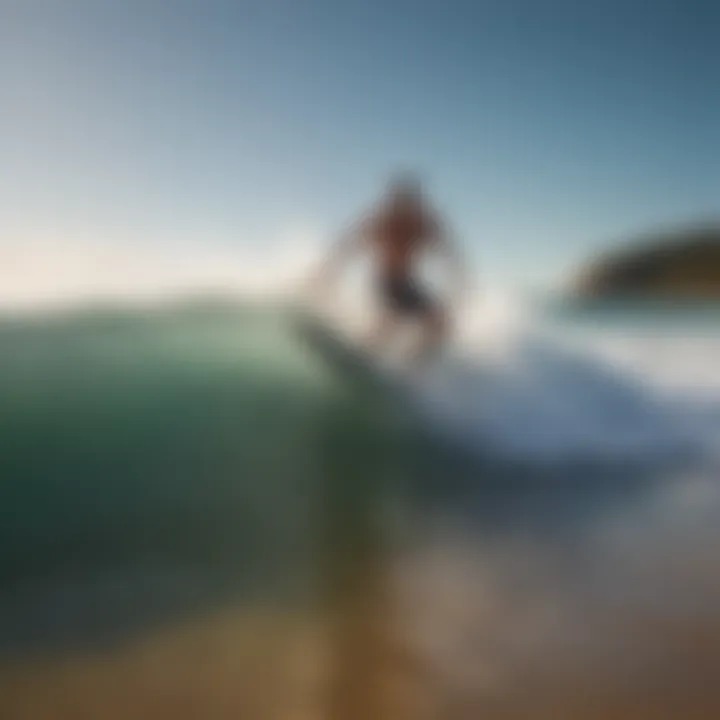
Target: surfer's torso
397, 237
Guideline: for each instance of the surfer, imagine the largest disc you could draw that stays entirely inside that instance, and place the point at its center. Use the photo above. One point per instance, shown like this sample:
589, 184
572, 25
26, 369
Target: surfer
395, 234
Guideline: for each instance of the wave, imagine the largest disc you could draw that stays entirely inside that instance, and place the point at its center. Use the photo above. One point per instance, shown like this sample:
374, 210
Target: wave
204, 427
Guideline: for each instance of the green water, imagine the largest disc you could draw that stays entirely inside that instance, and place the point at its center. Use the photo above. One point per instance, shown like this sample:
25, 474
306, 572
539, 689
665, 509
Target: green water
198, 434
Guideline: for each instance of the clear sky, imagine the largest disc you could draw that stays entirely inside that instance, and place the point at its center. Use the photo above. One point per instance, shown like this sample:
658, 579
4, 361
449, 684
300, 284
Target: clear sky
546, 129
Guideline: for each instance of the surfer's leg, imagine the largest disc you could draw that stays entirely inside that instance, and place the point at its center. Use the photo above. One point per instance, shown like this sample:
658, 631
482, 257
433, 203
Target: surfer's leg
429, 313
433, 334
390, 294
408, 300
383, 330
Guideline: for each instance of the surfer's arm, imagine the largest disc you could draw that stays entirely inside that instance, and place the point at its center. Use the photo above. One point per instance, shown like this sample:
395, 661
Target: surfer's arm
348, 244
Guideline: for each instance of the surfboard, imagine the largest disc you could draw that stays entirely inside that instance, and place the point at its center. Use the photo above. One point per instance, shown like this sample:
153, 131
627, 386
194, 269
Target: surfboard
341, 355
355, 363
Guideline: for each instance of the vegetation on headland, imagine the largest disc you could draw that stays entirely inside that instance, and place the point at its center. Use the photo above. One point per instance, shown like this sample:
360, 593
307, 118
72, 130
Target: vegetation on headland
676, 265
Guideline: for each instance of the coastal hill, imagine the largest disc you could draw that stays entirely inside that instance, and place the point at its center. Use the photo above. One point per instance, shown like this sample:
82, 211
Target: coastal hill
680, 264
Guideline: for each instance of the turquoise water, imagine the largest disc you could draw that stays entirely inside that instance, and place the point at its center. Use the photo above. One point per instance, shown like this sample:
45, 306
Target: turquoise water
198, 435
205, 443
208, 433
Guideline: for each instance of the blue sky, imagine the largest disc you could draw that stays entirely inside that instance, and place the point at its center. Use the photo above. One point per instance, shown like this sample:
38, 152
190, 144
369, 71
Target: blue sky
546, 129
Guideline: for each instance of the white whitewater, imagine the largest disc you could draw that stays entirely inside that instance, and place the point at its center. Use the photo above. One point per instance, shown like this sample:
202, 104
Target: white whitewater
529, 388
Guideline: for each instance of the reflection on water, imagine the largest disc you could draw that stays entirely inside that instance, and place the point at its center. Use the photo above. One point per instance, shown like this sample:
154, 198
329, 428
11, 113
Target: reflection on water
617, 617
282, 549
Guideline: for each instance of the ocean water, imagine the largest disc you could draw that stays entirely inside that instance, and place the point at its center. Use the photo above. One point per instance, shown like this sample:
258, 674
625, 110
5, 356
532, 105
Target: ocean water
198, 447
545, 508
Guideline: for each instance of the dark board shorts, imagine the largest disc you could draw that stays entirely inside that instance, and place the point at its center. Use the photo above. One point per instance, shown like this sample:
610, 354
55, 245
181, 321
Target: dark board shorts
405, 296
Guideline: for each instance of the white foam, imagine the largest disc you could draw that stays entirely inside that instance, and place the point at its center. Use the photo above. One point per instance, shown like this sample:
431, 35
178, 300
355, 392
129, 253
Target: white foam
533, 392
